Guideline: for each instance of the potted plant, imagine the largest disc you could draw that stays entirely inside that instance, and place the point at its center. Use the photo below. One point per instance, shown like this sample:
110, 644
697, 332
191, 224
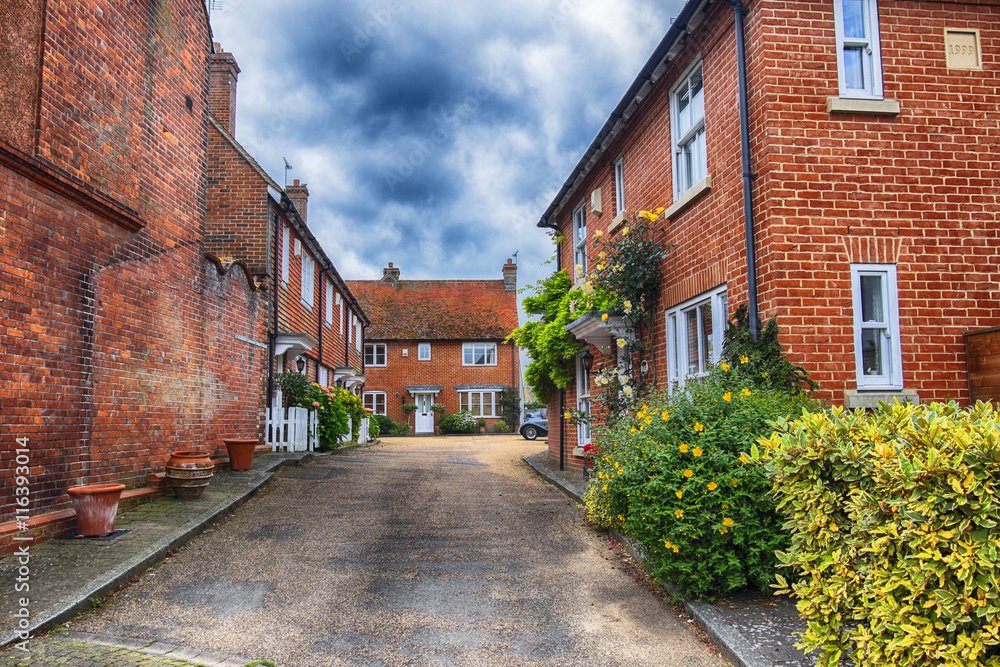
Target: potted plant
96, 507
240, 452
481, 423
409, 409
188, 473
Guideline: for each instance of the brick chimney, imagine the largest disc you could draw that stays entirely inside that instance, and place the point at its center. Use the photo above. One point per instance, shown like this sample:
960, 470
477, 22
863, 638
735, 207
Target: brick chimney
510, 275
390, 275
299, 194
222, 88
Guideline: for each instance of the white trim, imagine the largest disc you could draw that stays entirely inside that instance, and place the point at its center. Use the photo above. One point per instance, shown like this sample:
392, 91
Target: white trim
286, 234
892, 354
420, 352
329, 303
580, 242
871, 52
374, 406
465, 402
486, 354
374, 355
678, 366
359, 333
619, 186
308, 275
694, 136
324, 377
583, 403
340, 302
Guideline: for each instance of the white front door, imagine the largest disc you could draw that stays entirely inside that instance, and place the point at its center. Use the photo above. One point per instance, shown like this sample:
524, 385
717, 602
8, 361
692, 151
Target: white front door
425, 416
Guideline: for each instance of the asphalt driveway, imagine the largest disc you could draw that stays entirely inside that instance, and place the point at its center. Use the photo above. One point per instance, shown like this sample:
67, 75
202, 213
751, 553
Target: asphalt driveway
418, 551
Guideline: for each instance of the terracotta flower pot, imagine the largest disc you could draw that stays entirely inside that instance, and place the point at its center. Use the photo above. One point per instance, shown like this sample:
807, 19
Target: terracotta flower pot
240, 452
96, 507
188, 473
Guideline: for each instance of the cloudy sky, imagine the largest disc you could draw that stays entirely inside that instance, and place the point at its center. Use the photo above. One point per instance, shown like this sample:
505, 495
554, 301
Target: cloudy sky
432, 133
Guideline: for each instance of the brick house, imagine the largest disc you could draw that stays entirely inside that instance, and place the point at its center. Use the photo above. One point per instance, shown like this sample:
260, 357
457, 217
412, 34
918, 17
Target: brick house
122, 339
253, 219
438, 341
869, 188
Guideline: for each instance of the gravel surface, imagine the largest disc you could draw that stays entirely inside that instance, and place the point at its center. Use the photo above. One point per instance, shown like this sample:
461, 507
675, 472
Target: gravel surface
418, 551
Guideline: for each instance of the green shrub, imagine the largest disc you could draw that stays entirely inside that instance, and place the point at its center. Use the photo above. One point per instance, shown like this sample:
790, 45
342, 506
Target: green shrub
460, 422
893, 518
670, 476
388, 427
765, 365
510, 408
332, 414
374, 428
295, 389
502, 427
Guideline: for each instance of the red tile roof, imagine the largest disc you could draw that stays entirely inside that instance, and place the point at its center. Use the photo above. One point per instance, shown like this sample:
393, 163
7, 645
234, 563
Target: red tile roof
437, 309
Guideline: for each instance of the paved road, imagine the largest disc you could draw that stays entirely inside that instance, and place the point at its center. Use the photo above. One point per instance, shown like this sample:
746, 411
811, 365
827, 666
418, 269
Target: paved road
419, 551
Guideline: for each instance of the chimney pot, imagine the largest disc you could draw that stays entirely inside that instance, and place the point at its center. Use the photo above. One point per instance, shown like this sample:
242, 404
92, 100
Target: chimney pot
390, 275
510, 276
299, 194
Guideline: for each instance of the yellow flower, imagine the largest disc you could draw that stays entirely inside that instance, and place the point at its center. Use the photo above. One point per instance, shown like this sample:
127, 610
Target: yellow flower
744, 358
665, 416
660, 209
727, 522
698, 427
696, 451
724, 366
679, 514
605, 488
725, 506
745, 392
712, 486
648, 420
567, 415
621, 518
723, 531
728, 396
621, 342
666, 543
624, 231
683, 448
680, 494
676, 550
604, 317
734, 483
598, 234
632, 430
689, 473
602, 255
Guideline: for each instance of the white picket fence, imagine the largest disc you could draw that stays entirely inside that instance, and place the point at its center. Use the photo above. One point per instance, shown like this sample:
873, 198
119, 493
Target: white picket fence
363, 435
292, 429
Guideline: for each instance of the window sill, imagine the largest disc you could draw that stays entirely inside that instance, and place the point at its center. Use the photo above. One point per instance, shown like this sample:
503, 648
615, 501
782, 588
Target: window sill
870, 107
870, 398
616, 222
307, 306
578, 451
696, 191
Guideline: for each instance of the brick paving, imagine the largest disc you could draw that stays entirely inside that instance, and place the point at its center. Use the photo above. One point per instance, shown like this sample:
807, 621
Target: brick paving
81, 649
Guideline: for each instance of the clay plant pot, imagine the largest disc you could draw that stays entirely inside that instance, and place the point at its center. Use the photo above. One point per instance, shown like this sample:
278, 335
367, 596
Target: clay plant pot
240, 452
96, 507
188, 473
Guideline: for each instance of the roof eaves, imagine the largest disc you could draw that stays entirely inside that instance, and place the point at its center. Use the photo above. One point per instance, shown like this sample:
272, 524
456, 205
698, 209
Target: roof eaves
668, 48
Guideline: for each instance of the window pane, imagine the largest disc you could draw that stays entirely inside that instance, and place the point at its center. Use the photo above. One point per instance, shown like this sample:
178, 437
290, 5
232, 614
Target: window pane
467, 355
854, 77
691, 324
476, 403
491, 354
706, 331
463, 401
683, 111
871, 351
872, 308
854, 19
673, 362
697, 98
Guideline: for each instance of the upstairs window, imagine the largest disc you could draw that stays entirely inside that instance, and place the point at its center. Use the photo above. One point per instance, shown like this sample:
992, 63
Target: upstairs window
859, 56
423, 352
619, 186
580, 240
329, 304
479, 354
285, 243
877, 353
375, 354
308, 281
687, 108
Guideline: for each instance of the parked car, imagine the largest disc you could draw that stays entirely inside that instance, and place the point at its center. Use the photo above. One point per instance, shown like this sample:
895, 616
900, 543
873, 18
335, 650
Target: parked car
534, 425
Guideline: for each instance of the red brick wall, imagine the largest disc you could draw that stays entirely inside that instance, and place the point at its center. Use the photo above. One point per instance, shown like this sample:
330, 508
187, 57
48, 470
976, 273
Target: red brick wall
445, 369
917, 190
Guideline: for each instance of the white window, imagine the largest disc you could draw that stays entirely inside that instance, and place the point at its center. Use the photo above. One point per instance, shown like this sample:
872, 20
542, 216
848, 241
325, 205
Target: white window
375, 401
285, 242
479, 354
694, 335
375, 354
582, 401
479, 403
580, 240
687, 108
340, 302
308, 281
324, 376
619, 187
877, 353
859, 56
359, 333
423, 352
329, 304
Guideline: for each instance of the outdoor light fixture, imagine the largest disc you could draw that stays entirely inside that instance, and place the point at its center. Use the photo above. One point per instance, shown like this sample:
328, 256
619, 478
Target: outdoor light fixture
588, 361
300, 363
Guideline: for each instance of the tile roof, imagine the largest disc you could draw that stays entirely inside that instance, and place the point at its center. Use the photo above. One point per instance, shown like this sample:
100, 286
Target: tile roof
437, 309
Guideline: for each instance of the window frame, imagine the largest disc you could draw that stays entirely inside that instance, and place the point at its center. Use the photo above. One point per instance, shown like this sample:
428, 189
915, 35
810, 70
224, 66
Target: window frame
328, 289
307, 273
893, 357
583, 402
619, 186
286, 242
420, 352
374, 355
676, 335
465, 402
580, 244
359, 333
374, 406
486, 356
324, 377
697, 134
871, 63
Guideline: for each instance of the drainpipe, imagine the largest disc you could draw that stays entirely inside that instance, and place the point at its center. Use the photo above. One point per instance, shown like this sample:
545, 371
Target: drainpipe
320, 319
562, 429
554, 227
276, 268
741, 63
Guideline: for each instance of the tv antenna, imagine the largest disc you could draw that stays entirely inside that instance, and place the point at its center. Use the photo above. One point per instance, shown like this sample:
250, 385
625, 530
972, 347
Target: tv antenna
287, 168
214, 5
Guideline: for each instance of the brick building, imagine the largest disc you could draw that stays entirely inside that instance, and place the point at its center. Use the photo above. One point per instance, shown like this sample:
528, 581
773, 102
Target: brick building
870, 188
438, 341
122, 339
252, 219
